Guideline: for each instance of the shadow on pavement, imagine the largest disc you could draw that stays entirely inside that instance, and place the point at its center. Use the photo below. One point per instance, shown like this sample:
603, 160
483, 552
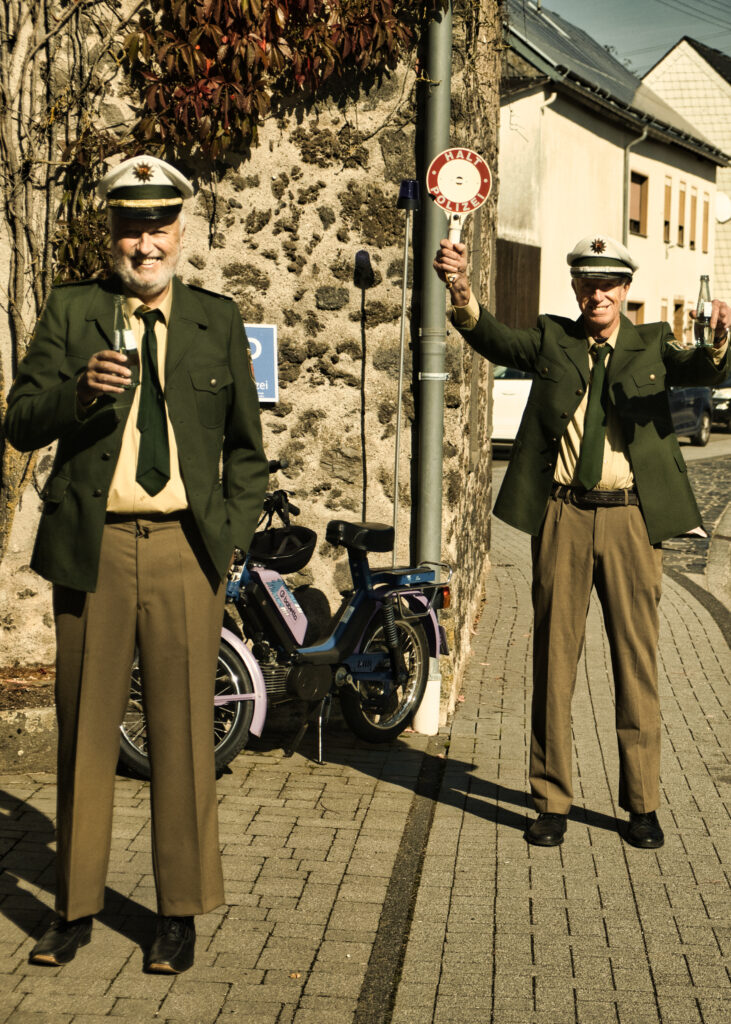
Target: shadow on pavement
28, 835
480, 797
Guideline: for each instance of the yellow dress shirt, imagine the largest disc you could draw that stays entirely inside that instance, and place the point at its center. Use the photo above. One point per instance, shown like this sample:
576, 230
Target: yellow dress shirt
126, 496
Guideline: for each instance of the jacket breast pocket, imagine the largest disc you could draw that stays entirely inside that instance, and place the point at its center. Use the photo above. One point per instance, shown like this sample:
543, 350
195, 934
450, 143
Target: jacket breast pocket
547, 369
211, 395
649, 380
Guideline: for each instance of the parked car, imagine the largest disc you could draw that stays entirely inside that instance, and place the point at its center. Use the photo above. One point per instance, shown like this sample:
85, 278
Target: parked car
722, 404
509, 395
692, 412
692, 408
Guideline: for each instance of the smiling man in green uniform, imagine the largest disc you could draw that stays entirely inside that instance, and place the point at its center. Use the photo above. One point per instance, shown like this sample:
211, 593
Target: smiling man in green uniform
597, 479
138, 528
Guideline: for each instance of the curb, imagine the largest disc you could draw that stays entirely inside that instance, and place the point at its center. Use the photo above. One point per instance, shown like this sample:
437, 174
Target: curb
28, 740
718, 565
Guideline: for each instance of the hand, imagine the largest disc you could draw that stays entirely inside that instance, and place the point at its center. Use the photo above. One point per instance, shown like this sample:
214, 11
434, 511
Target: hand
720, 321
451, 267
105, 373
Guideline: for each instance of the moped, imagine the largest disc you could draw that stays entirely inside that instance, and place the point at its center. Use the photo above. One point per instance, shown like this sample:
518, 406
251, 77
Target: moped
375, 658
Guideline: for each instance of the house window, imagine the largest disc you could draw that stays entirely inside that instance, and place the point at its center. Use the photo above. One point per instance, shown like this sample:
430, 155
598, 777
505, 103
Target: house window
636, 312
706, 214
638, 204
693, 217
681, 214
666, 215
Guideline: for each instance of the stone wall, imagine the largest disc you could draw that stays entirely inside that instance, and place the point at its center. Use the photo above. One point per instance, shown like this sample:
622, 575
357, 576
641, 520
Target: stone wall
304, 233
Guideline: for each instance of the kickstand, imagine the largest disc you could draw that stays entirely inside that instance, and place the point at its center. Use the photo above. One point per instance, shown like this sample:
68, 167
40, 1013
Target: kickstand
318, 714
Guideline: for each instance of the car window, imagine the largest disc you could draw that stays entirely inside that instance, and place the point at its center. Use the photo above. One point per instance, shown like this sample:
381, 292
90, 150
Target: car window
508, 373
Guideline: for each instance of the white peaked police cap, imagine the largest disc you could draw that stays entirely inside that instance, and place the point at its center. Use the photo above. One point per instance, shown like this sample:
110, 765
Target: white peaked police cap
600, 256
144, 187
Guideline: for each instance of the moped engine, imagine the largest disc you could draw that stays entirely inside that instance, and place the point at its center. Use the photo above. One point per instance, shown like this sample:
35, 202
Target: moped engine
309, 682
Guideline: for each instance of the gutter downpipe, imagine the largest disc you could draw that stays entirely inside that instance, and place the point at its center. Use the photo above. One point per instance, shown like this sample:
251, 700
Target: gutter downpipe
432, 344
625, 196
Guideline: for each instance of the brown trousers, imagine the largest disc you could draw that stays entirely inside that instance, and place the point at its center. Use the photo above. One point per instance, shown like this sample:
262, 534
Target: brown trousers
577, 549
152, 592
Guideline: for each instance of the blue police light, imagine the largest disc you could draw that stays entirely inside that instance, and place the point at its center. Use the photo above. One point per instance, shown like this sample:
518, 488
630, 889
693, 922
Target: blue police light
408, 196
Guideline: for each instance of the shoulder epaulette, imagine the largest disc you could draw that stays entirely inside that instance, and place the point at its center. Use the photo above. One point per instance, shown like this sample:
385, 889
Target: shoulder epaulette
78, 284
207, 291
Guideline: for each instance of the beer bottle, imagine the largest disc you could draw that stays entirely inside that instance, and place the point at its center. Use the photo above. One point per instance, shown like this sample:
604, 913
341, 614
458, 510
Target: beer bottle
702, 333
125, 341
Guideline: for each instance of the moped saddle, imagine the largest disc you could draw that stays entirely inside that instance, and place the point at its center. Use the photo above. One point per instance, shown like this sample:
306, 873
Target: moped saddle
361, 537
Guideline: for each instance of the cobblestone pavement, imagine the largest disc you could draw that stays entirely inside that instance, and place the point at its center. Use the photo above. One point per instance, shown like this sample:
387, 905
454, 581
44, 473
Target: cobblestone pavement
394, 885
593, 931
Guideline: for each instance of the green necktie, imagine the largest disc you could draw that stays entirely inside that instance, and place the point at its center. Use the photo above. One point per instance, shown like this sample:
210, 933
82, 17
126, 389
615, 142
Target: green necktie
591, 457
153, 461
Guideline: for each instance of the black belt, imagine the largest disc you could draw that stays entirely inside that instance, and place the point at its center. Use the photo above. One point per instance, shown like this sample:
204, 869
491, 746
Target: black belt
580, 498
149, 517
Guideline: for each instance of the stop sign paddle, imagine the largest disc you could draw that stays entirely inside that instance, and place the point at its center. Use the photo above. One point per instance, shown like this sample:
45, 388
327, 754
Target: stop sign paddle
459, 181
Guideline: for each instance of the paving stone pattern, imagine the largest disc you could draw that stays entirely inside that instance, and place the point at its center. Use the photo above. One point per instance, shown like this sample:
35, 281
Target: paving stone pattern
501, 933
593, 931
308, 852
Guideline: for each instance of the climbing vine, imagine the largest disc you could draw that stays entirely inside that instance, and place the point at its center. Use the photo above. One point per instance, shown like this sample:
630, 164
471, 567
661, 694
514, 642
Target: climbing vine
207, 69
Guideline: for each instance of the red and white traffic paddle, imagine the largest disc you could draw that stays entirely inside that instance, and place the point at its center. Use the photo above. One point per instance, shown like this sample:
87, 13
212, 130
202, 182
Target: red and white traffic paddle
459, 181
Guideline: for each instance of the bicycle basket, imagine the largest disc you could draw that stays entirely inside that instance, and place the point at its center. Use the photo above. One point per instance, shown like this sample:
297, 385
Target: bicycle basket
283, 548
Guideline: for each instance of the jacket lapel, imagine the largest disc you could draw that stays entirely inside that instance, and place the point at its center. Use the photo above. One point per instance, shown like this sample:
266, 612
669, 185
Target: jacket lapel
187, 317
576, 348
629, 343
101, 308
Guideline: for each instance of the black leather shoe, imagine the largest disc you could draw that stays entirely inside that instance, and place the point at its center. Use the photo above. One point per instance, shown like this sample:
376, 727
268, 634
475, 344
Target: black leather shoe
173, 949
547, 830
60, 942
644, 831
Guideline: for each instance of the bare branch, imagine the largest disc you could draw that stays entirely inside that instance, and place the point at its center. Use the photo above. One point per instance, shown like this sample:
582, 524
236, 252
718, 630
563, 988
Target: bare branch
53, 78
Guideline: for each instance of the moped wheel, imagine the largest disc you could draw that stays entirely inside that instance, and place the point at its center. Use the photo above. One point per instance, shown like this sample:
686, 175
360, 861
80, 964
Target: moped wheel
231, 721
364, 712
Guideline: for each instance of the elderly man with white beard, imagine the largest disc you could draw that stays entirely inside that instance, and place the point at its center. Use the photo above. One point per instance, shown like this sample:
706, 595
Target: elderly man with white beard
138, 528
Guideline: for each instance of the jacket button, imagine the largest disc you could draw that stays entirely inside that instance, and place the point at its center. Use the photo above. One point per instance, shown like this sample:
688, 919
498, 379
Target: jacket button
213, 381
106, 456
652, 376
579, 391
97, 493
564, 415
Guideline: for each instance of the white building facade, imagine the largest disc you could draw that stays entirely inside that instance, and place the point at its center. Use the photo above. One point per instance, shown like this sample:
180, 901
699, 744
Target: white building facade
576, 159
696, 81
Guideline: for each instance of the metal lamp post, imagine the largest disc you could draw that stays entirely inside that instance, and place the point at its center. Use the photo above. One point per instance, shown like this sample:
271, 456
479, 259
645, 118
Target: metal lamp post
408, 200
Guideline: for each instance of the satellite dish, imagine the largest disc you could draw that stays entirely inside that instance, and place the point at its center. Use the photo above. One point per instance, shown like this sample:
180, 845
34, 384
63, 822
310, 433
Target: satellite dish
723, 207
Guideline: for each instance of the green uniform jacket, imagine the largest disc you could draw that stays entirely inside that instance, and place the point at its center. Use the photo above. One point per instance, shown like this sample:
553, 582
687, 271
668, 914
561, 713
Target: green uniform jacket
212, 403
646, 361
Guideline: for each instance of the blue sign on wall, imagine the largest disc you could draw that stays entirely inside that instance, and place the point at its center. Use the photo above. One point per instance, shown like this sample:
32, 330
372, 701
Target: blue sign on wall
263, 345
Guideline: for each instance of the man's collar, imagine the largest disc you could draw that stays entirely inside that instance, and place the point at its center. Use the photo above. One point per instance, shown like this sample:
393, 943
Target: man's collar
134, 303
611, 340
